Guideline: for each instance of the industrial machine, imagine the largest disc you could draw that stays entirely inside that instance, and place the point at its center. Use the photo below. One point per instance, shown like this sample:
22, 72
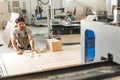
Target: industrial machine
38, 10
92, 71
37, 18
98, 39
100, 16
117, 14
100, 55
99, 61
66, 32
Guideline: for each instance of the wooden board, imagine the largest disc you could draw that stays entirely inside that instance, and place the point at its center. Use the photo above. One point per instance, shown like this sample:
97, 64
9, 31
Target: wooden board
10, 25
72, 38
5, 16
6, 34
0, 24
4, 6
21, 64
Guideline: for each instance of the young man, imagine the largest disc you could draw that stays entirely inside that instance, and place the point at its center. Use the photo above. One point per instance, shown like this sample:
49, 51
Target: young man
21, 37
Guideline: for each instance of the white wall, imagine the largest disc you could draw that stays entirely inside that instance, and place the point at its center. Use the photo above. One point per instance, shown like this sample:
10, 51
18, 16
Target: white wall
2, 0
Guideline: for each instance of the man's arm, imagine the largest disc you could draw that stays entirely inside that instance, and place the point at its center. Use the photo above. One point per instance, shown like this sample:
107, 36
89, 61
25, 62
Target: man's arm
31, 42
14, 44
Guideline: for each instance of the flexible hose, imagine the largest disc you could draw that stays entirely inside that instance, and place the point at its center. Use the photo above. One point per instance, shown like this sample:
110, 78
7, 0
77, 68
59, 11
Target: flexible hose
44, 3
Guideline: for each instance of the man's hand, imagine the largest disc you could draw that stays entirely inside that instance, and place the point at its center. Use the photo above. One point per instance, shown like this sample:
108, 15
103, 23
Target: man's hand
19, 52
34, 51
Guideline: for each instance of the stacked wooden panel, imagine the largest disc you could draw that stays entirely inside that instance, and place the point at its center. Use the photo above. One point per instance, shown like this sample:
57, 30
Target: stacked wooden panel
10, 25
4, 14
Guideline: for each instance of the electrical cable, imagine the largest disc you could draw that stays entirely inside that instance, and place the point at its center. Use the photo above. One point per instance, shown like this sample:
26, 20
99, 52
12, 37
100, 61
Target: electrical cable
44, 3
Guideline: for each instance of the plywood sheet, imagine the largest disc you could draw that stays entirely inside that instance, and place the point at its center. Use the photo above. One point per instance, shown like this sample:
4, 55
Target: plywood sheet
72, 38
10, 25
6, 34
5, 16
4, 6
21, 64
18, 64
13, 17
0, 24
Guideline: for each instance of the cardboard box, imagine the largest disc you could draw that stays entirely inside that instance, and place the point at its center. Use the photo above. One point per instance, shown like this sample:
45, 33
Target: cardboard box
15, 3
53, 44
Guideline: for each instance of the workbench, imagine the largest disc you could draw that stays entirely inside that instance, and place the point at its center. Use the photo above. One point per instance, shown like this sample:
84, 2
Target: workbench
104, 70
67, 33
14, 64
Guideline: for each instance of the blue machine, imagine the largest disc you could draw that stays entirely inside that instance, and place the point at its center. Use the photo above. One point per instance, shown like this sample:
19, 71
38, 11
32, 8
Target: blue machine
89, 46
38, 10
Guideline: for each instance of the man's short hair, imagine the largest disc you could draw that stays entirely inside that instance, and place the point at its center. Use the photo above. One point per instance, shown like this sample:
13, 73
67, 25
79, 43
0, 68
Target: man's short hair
19, 19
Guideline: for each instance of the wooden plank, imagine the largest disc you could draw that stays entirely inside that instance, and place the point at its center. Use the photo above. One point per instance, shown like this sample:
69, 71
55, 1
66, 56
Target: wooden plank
18, 64
5, 16
0, 24
4, 6
10, 25
13, 17
21, 64
6, 34
72, 38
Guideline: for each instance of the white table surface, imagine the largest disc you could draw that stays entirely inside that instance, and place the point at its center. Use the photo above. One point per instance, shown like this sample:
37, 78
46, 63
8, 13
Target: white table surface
22, 64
